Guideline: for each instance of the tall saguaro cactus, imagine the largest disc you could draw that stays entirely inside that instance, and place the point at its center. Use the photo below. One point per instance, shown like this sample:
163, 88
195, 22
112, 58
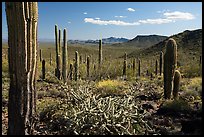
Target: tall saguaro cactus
156, 67
125, 65
57, 69
59, 41
64, 57
170, 60
139, 62
134, 66
88, 66
40, 55
160, 62
100, 53
76, 74
43, 69
22, 22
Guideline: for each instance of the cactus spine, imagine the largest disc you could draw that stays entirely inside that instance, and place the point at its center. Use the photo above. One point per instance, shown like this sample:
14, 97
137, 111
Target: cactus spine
160, 62
177, 78
139, 61
125, 65
43, 69
170, 59
156, 66
64, 57
88, 66
22, 22
76, 66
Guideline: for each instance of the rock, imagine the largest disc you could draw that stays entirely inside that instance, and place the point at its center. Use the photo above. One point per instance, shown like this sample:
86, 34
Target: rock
192, 126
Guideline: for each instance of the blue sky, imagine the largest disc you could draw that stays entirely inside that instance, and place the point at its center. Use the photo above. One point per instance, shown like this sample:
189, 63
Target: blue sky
95, 20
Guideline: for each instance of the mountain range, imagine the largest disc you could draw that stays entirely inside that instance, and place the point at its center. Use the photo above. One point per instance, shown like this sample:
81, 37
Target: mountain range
187, 40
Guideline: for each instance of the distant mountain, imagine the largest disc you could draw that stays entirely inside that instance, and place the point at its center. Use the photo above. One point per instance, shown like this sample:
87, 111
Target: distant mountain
109, 40
146, 40
187, 40
114, 40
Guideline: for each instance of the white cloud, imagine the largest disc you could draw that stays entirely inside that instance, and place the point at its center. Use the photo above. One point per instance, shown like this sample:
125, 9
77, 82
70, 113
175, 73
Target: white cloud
165, 10
85, 13
155, 21
110, 22
130, 9
120, 16
68, 22
170, 17
177, 15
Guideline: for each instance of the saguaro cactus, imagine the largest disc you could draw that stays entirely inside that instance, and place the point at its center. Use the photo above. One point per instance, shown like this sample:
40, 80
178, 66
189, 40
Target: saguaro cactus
156, 66
40, 55
139, 61
59, 41
160, 62
170, 59
64, 58
88, 66
200, 61
60, 67
57, 71
50, 58
76, 74
71, 71
22, 20
177, 78
43, 69
134, 66
100, 53
125, 65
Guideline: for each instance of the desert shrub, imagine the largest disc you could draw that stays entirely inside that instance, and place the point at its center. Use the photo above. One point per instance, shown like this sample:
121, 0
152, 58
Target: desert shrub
176, 106
112, 86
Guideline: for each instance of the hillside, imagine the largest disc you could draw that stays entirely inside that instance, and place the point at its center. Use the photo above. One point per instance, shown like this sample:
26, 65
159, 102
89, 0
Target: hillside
187, 41
143, 41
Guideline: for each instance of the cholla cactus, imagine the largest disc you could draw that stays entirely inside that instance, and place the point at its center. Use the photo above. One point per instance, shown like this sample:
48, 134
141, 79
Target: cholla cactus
170, 59
177, 78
